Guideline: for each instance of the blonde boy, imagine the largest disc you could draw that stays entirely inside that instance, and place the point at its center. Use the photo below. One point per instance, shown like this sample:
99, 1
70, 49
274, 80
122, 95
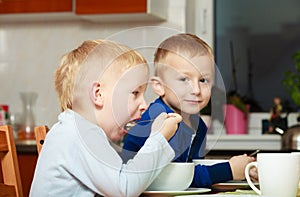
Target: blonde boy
184, 75
101, 87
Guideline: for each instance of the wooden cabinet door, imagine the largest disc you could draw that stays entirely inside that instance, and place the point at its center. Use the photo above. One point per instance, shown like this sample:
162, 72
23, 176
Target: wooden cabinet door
110, 6
34, 6
27, 163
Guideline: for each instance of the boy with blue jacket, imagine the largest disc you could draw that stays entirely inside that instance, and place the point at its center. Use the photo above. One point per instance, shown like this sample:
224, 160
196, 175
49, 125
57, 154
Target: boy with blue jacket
184, 76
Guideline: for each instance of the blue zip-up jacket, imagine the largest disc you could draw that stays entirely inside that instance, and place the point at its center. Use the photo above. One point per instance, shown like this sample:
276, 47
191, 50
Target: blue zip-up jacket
186, 146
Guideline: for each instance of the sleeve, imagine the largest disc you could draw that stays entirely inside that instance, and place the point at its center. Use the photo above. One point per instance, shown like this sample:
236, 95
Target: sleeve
107, 175
205, 176
90, 159
138, 173
134, 142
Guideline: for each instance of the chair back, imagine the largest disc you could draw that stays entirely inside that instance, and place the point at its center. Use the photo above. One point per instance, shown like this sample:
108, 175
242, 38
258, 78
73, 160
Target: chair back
10, 180
40, 135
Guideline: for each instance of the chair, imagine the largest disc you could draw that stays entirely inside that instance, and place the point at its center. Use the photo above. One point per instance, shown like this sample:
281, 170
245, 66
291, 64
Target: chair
10, 180
40, 135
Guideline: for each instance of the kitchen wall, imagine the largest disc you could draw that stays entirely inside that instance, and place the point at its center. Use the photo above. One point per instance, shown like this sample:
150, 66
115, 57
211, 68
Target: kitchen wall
30, 52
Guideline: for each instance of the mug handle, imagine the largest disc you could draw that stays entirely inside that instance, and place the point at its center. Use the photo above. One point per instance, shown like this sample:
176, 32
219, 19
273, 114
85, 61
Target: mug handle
250, 165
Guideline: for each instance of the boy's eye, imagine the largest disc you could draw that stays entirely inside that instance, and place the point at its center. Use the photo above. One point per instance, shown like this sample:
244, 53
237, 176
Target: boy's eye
135, 93
183, 79
203, 80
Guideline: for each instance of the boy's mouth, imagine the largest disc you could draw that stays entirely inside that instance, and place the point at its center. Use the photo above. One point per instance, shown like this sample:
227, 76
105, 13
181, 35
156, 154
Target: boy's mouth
129, 125
193, 101
132, 123
124, 131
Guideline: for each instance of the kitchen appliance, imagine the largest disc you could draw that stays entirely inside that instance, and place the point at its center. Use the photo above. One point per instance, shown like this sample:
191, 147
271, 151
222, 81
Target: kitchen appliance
290, 140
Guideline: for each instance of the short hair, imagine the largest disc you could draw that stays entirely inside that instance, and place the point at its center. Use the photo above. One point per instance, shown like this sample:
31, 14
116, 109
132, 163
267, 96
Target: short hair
65, 74
185, 45
88, 63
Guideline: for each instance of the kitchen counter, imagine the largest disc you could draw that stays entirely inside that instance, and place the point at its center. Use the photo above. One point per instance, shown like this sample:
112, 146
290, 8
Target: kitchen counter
244, 142
26, 146
214, 142
226, 146
218, 141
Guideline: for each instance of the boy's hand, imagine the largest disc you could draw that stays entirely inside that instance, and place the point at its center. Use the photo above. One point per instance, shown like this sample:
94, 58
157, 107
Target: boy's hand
238, 165
166, 124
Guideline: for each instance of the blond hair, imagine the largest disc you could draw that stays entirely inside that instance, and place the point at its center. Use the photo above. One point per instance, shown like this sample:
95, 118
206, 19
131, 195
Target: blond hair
65, 74
88, 63
185, 45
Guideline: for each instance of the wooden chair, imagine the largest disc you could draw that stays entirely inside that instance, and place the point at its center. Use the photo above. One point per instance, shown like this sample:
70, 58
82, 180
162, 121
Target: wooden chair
40, 135
10, 180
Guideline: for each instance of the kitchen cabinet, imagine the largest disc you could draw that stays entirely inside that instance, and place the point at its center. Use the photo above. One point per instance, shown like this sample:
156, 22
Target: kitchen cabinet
34, 6
125, 10
110, 6
91, 10
27, 163
200, 19
27, 158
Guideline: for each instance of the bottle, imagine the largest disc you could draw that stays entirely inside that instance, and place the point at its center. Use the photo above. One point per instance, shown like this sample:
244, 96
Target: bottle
4, 115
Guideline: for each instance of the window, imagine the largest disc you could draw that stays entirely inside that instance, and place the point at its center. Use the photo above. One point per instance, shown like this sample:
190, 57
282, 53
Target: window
259, 37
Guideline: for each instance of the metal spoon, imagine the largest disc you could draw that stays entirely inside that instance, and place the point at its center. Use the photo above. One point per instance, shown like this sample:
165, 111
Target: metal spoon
254, 153
134, 122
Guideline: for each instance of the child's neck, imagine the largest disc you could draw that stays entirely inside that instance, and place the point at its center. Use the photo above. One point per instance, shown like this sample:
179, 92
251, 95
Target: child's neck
186, 119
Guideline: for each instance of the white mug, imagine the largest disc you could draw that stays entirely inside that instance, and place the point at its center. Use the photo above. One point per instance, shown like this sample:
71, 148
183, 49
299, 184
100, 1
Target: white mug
278, 174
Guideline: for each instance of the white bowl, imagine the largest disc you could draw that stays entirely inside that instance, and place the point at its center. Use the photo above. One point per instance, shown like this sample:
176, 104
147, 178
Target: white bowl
175, 176
208, 162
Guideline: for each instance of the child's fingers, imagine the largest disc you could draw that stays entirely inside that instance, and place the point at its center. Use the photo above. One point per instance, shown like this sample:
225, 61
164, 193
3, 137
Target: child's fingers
174, 115
158, 122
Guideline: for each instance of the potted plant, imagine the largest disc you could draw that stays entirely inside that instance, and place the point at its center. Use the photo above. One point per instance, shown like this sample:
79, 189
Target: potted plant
236, 114
236, 111
238, 102
291, 81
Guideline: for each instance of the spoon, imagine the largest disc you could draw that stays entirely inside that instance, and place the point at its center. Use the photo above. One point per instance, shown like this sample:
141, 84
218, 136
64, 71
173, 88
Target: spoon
135, 122
254, 153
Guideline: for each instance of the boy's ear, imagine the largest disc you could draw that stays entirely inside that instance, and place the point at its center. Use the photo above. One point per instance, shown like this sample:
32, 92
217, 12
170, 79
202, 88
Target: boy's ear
96, 94
157, 86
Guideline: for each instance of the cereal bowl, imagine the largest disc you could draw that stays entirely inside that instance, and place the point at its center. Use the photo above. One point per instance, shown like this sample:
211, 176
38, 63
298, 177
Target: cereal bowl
208, 162
176, 176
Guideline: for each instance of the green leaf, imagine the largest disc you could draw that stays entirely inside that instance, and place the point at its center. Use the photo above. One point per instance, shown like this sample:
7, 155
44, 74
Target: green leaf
291, 80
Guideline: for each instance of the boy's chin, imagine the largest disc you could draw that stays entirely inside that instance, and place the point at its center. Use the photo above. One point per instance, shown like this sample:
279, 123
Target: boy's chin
118, 135
191, 111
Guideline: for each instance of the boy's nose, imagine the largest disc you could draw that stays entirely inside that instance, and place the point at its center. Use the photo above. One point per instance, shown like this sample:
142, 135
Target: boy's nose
196, 88
143, 105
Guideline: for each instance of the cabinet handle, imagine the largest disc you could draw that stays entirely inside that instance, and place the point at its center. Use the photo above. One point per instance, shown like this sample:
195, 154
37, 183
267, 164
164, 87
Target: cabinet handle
202, 15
